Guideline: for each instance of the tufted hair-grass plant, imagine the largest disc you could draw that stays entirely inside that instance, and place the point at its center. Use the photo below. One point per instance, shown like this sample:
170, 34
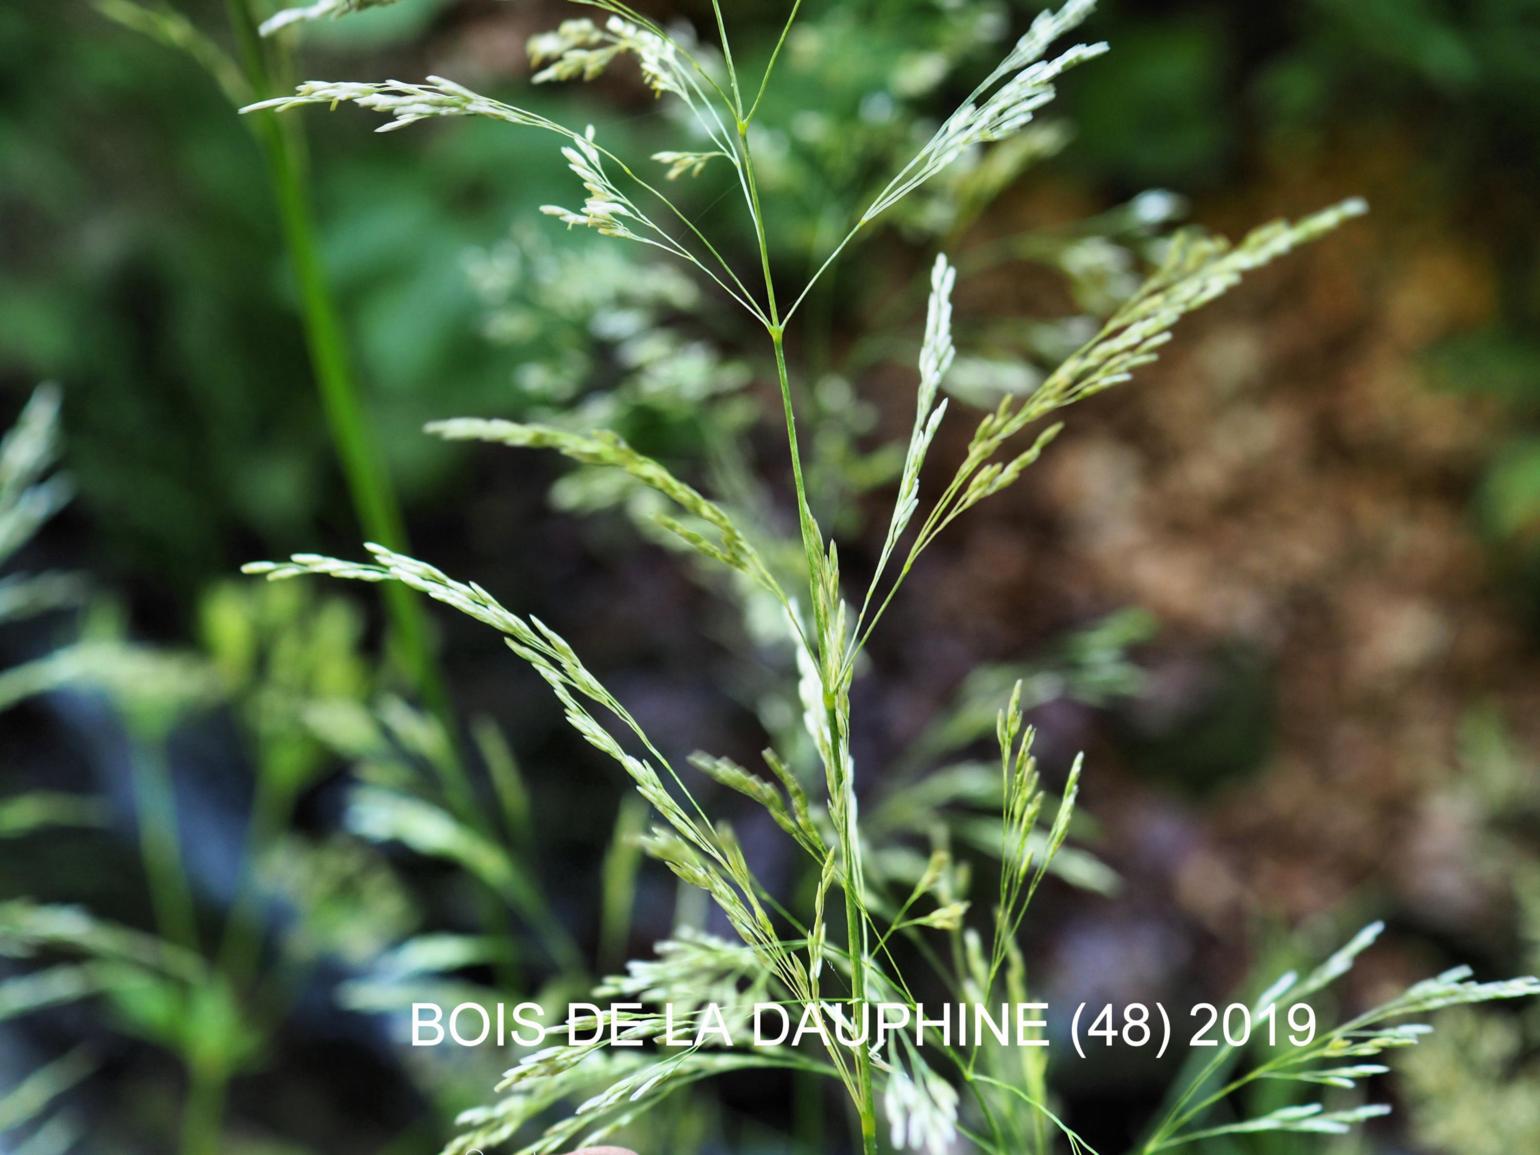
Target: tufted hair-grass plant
842, 948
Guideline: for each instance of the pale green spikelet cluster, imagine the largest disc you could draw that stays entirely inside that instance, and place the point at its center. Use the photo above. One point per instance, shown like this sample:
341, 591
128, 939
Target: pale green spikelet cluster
29, 496
320, 10
1000, 107
150, 684
406, 104
582, 50
1334, 1058
1474, 1086
567, 313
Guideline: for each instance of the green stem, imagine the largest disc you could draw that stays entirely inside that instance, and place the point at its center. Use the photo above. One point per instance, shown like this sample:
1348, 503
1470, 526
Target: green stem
812, 540
160, 849
727, 58
239, 953
812, 544
775, 55
866, 1105
855, 935
203, 1116
374, 499
621, 861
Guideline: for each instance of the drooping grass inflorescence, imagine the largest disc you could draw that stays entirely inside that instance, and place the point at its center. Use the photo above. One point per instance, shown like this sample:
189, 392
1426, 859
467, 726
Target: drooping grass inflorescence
841, 947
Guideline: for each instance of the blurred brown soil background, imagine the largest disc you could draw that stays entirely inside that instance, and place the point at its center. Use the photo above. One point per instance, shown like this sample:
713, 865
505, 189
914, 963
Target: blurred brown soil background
1289, 481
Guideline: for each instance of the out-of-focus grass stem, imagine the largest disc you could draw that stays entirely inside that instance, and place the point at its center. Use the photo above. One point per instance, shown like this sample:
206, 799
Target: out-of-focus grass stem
160, 848
621, 861
373, 497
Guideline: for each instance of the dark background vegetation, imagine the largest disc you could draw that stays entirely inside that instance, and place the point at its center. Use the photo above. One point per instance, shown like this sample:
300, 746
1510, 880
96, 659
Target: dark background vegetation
1327, 495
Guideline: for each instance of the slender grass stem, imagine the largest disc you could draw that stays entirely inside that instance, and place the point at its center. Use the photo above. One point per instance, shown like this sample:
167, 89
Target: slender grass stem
812, 544
621, 861
855, 930
741, 293
202, 1119
775, 56
373, 498
727, 56
271, 810
822, 269
812, 541
160, 848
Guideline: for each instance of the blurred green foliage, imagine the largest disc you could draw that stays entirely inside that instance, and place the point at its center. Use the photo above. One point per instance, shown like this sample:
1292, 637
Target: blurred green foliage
144, 269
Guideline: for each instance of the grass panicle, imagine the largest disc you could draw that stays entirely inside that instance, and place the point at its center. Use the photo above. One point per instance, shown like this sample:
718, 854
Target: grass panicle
844, 946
